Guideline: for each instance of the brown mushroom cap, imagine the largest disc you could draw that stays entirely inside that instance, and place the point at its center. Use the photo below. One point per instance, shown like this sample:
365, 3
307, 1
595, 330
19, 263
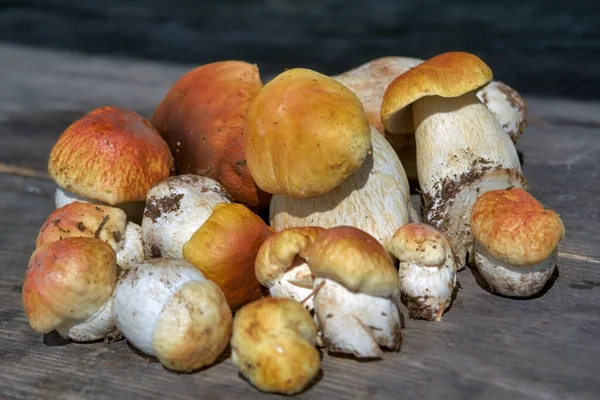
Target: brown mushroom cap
305, 134
224, 248
514, 227
202, 119
420, 244
273, 345
67, 280
279, 252
79, 219
449, 74
354, 259
112, 155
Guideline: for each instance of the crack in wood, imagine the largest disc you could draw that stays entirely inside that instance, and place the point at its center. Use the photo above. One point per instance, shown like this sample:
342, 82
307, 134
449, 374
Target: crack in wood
22, 171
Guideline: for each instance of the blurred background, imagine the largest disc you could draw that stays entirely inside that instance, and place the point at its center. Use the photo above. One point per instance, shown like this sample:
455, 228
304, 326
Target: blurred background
540, 47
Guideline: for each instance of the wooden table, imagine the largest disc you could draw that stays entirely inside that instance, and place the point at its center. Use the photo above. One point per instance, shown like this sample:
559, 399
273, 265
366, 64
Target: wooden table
486, 347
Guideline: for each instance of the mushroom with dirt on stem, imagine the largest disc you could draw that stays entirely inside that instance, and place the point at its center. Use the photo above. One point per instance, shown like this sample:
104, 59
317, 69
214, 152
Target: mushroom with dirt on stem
516, 241
111, 156
462, 150
355, 290
273, 345
166, 308
427, 271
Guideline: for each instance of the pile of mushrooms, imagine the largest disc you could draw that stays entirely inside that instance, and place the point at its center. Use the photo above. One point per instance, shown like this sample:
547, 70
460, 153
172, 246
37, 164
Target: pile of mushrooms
277, 219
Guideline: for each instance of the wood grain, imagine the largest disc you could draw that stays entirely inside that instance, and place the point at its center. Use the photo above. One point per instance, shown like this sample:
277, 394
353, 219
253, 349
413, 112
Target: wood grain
487, 347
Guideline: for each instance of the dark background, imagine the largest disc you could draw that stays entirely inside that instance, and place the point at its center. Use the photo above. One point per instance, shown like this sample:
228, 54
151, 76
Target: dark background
549, 48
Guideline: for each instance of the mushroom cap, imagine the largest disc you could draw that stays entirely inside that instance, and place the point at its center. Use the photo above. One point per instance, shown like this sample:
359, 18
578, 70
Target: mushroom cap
273, 345
354, 259
224, 248
305, 133
514, 227
167, 308
80, 219
111, 155
67, 280
202, 119
507, 105
369, 82
449, 74
278, 253
420, 244
175, 209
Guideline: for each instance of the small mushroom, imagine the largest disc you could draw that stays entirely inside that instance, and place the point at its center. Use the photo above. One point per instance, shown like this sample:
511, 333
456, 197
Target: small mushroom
281, 264
175, 209
305, 133
68, 287
427, 272
273, 345
507, 105
516, 241
356, 285
224, 248
111, 156
462, 151
107, 223
202, 119
168, 309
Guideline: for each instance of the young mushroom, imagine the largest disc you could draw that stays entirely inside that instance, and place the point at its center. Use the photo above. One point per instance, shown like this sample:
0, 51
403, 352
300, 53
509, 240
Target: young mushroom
175, 209
202, 119
111, 156
68, 287
427, 272
281, 264
516, 241
462, 150
273, 345
355, 289
107, 223
224, 248
168, 309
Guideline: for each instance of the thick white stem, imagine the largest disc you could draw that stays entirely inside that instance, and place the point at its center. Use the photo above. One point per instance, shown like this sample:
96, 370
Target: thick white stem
296, 284
130, 250
94, 328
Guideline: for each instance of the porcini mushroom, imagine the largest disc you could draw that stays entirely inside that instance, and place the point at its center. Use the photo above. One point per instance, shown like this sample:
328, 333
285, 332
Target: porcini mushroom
68, 287
305, 133
224, 248
355, 289
427, 272
107, 223
375, 199
516, 241
175, 209
111, 156
168, 309
202, 119
507, 105
281, 264
462, 151
273, 345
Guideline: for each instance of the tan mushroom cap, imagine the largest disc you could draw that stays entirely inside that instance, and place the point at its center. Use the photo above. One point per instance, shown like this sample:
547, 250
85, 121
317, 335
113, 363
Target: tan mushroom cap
419, 244
224, 248
111, 155
449, 74
514, 227
354, 259
67, 280
273, 345
279, 252
305, 133
79, 219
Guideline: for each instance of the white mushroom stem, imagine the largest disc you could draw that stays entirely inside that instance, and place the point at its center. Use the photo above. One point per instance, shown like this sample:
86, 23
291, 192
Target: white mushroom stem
134, 210
427, 289
514, 280
462, 151
296, 284
355, 323
130, 250
375, 199
95, 327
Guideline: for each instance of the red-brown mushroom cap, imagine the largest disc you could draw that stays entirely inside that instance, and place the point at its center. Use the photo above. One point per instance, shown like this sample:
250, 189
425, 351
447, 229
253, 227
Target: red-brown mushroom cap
112, 155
